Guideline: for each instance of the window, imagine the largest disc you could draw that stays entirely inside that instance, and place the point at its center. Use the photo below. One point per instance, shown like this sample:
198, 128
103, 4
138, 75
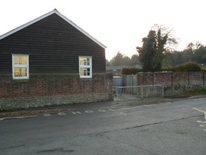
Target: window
85, 67
20, 66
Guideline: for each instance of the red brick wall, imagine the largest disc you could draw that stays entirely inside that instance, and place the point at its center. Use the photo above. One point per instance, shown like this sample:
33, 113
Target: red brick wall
163, 78
169, 78
51, 85
173, 82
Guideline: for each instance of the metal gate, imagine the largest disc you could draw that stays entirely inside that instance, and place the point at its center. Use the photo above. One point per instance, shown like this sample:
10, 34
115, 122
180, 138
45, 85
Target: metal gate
139, 92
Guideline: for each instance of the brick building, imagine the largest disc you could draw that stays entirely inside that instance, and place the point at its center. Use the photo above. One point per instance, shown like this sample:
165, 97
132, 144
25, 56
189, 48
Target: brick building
49, 61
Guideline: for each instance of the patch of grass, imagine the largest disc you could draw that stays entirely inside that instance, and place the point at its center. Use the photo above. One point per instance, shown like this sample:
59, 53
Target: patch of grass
195, 92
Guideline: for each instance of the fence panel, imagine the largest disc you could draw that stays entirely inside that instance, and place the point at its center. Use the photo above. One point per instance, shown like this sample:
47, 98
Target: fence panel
139, 92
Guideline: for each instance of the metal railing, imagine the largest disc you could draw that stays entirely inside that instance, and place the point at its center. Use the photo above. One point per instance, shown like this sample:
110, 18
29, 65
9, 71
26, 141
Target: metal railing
139, 92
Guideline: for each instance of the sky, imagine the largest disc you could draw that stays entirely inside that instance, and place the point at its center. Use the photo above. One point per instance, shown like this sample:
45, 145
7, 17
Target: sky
118, 24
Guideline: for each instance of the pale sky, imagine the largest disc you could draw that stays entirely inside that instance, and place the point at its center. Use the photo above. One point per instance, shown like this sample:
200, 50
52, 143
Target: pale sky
118, 24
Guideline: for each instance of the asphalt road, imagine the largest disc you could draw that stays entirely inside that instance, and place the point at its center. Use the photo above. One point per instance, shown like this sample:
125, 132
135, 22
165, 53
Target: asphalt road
170, 128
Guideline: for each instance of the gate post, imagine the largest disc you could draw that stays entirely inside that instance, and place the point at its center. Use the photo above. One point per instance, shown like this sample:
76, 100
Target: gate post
162, 91
141, 89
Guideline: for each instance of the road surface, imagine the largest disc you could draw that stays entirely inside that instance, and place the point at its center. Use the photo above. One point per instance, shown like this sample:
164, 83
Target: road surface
170, 128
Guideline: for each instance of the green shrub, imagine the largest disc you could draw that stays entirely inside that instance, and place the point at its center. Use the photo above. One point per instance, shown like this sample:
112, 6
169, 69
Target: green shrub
203, 69
194, 92
188, 67
129, 71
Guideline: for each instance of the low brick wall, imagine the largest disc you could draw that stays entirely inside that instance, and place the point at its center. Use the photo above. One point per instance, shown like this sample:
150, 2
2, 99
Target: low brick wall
173, 82
53, 89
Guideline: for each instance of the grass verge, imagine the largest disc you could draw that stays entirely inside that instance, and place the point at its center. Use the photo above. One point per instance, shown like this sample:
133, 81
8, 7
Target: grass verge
194, 92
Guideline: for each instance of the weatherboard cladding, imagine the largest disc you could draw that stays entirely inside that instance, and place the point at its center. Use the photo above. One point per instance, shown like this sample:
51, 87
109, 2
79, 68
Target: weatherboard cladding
46, 15
53, 45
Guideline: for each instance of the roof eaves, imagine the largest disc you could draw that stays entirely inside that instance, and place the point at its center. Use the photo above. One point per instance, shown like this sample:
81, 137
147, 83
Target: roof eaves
25, 25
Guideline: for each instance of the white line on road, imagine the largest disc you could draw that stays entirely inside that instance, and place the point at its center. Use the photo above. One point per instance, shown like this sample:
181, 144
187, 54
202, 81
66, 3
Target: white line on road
200, 110
160, 104
62, 113
132, 108
204, 112
4, 118
102, 110
47, 115
76, 112
89, 111
202, 125
203, 122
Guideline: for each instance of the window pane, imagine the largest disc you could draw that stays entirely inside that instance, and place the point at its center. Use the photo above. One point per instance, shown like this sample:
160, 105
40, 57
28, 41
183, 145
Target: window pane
20, 60
84, 71
88, 71
81, 72
24, 71
85, 62
82, 61
88, 61
24, 60
16, 60
16, 72
20, 72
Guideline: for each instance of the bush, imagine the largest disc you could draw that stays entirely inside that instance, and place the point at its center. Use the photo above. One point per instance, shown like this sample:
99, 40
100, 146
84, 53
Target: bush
129, 71
194, 92
203, 69
188, 67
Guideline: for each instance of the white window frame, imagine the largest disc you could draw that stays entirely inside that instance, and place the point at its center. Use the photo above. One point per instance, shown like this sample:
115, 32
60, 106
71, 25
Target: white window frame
86, 66
20, 66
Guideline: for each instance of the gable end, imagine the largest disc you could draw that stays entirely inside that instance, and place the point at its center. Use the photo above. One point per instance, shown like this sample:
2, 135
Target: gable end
46, 15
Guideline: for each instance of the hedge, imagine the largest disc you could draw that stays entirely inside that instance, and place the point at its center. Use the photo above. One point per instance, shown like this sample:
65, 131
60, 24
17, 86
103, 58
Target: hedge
189, 66
129, 71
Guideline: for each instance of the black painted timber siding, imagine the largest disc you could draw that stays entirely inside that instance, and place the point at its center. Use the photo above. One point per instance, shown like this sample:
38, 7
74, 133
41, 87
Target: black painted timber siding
53, 45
